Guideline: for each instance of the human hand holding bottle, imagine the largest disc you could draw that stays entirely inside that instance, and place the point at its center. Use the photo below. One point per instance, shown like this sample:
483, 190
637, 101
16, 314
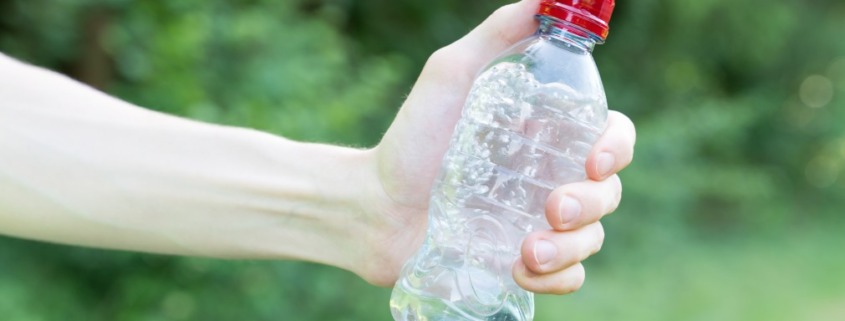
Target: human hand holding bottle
409, 157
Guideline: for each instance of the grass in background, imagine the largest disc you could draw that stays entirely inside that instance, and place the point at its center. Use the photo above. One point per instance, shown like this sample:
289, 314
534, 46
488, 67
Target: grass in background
799, 275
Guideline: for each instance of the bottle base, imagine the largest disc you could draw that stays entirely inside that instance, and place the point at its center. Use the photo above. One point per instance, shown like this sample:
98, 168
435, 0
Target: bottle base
408, 306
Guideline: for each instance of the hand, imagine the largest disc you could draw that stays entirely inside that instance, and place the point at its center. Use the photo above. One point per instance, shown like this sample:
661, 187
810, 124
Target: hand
410, 154
551, 260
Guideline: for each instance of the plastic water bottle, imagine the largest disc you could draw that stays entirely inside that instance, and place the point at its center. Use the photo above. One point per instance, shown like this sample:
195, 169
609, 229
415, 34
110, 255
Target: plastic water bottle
528, 124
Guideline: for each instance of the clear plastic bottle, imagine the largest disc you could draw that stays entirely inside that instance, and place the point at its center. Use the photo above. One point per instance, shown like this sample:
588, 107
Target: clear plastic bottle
528, 124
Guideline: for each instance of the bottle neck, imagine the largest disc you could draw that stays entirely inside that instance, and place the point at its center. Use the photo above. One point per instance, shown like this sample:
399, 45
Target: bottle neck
566, 34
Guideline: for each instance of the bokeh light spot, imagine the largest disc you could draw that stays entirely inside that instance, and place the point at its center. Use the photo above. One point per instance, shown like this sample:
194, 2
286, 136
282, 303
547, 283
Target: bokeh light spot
816, 91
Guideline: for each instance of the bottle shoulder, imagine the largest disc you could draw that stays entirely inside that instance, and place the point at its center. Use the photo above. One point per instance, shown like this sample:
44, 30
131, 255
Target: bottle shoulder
550, 62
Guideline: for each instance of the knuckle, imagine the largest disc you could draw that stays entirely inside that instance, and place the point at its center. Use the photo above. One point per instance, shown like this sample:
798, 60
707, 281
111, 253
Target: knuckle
627, 131
629, 155
502, 12
572, 282
579, 283
632, 129
592, 242
616, 184
629, 147
623, 120
439, 57
444, 63
599, 241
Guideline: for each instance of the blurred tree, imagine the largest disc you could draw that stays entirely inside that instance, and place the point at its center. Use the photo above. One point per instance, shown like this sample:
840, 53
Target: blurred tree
739, 108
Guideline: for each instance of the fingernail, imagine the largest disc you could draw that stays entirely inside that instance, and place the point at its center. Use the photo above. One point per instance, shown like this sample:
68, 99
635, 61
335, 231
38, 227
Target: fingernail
604, 164
569, 209
544, 251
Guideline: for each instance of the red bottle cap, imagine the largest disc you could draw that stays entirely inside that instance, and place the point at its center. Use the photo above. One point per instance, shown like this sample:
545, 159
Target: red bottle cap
592, 15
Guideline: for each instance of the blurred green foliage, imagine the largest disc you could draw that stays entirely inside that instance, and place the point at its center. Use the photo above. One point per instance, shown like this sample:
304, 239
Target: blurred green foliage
732, 209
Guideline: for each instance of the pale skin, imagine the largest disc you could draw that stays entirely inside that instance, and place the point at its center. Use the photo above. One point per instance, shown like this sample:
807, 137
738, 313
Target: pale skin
79, 167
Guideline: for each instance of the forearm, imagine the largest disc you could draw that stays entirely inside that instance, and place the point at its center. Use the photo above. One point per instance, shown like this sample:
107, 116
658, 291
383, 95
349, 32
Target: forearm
79, 167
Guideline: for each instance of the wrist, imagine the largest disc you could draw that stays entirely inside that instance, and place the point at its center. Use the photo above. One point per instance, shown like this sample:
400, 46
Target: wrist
370, 222
389, 230
330, 214
348, 211
346, 191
